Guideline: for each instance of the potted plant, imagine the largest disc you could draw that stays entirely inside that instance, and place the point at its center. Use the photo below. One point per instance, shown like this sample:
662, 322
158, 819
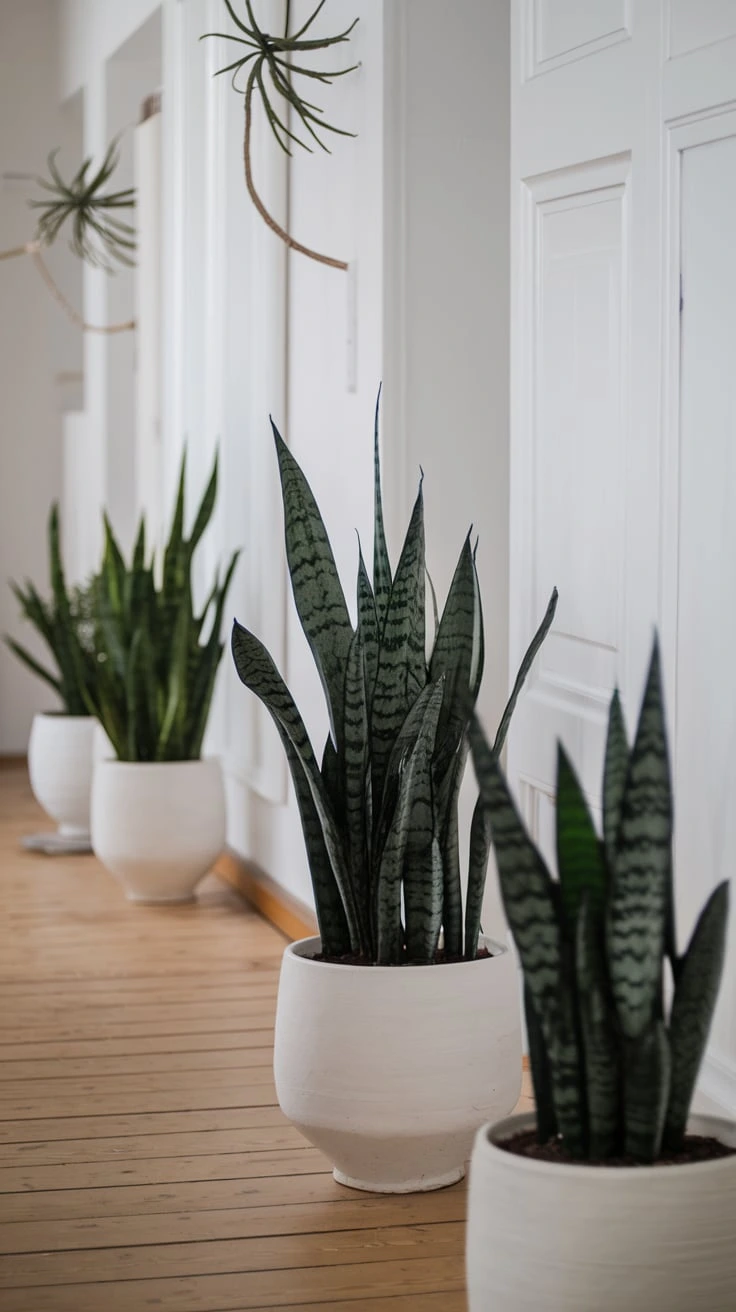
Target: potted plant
158, 808
398, 1026
613, 1197
60, 749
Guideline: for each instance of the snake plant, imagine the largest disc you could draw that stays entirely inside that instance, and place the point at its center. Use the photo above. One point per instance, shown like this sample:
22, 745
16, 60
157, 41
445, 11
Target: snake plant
379, 813
64, 623
614, 1068
157, 658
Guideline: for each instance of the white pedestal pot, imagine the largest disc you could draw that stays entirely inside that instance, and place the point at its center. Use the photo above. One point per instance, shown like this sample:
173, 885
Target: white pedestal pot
158, 826
390, 1070
60, 767
561, 1238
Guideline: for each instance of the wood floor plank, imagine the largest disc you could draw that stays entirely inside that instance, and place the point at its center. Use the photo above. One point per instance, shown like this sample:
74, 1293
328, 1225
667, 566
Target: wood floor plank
143, 1159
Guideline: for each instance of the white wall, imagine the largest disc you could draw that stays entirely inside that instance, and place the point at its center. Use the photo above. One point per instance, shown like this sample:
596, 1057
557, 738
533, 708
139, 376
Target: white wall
30, 438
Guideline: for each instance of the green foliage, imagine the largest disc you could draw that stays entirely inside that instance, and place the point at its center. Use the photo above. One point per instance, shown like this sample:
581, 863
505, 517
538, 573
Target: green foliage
156, 658
379, 815
98, 234
278, 59
611, 1077
64, 623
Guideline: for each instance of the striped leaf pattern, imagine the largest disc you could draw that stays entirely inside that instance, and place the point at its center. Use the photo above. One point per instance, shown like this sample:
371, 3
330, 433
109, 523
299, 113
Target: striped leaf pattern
480, 848
258, 672
647, 1067
453, 655
614, 778
446, 807
600, 1053
640, 887
381, 564
524, 669
318, 594
580, 858
693, 1006
368, 630
356, 760
402, 672
547, 1127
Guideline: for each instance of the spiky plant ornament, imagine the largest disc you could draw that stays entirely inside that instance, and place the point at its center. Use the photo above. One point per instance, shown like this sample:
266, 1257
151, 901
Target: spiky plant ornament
98, 235
274, 65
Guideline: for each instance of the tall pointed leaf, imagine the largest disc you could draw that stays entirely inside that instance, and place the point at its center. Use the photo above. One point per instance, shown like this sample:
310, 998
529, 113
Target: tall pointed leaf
600, 1049
693, 1006
402, 672
381, 563
580, 858
447, 793
541, 1075
258, 672
408, 833
453, 656
640, 891
524, 669
368, 630
355, 762
318, 594
206, 508
480, 848
647, 1066
614, 778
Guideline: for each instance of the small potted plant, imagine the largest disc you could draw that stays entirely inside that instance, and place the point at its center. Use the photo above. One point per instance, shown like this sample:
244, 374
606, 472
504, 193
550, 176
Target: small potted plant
60, 750
397, 1028
613, 1197
158, 808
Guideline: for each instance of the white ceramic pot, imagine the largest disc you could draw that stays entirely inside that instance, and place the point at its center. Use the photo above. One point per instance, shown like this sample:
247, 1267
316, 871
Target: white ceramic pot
543, 1235
390, 1070
60, 768
159, 827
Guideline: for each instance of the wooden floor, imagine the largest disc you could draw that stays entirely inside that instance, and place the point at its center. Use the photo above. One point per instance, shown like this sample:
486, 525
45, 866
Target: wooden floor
144, 1162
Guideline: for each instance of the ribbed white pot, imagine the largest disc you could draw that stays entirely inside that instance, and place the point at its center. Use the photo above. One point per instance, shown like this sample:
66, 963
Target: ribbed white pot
60, 753
546, 1237
158, 826
390, 1070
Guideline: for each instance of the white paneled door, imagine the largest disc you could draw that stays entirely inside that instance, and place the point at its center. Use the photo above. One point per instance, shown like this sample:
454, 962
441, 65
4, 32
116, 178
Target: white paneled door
623, 400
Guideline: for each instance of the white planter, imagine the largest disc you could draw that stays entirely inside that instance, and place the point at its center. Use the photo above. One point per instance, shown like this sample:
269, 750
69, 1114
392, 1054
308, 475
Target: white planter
390, 1070
60, 768
543, 1235
158, 827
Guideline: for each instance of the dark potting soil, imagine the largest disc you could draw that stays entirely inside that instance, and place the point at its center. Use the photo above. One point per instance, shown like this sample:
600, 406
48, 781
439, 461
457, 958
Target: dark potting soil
696, 1148
440, 960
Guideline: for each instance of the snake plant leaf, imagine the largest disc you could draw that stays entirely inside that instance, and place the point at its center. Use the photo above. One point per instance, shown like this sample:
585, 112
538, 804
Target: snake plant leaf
524, 669
447, 794
453, 656
368, 630
258, 672
205, 675
580, 858
407, 832
318, 594
526, 884
402, 670
639, 902
355, 759
35, 610
176, 702
693, 1006
68, 653
175, 553
404, 745
33, 665
331, 777
541, 1077
558, 1021
614, 778
381, 563
423, 902
480, 848
600, 1049
435, 607
205, 510
647, 1069
479, 648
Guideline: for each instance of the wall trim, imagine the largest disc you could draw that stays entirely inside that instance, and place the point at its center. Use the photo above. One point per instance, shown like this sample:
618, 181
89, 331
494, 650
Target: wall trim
287, 913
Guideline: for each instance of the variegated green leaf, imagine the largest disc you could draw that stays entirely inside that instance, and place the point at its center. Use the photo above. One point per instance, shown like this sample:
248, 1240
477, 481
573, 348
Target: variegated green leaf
693, 1006
381, 563
258, 672
541, 1076
600, 1048
524, 669
423, 899
647, 1066
368, 629
526, 885
640, 889
559, 1026
356, 763
447, 793
453, 656
318, 594
580, 859
480, 848
406, 831
614, 778
402, 672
